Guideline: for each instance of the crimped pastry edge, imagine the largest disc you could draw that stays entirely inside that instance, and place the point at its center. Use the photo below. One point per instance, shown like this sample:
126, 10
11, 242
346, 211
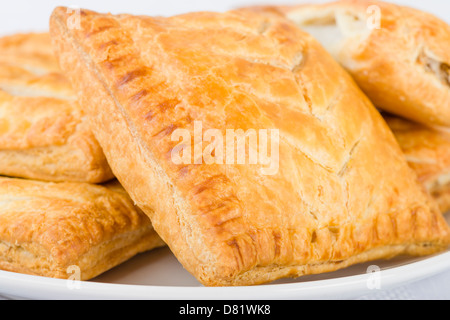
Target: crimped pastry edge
272, 273
99, 259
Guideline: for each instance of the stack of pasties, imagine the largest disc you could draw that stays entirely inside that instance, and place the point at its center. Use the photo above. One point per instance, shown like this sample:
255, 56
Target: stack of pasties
55, 228
339, 190
400, 58
343, 192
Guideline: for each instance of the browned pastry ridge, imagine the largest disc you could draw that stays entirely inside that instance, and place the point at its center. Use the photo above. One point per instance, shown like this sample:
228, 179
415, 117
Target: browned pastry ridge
402, 63
43, 131
56, 229
343, 193
427, 151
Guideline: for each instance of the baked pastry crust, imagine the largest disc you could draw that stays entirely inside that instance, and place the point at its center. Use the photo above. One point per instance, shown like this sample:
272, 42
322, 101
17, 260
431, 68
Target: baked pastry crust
43, 131
343, 193
427, 151
403, 66
46, 228
29, 51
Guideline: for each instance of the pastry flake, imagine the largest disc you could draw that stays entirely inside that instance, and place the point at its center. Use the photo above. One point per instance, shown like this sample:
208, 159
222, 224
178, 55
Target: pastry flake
343, 193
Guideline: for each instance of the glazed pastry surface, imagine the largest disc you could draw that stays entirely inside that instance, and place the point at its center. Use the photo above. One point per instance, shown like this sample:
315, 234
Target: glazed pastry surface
343, 192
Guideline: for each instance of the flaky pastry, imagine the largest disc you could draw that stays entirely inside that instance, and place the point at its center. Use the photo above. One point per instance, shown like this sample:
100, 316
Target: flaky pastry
69, 230
29, 51
399, 56
43, 131
343, 193
427, 151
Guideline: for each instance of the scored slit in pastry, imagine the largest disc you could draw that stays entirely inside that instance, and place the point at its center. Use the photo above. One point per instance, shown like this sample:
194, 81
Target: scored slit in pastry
427, 151
399, 56
59, 229
43, 131
342, 194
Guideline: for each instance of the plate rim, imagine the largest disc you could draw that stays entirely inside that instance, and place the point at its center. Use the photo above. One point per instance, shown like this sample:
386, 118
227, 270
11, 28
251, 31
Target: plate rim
348, 287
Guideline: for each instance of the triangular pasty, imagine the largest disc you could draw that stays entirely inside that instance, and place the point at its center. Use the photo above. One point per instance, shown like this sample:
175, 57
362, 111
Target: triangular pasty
335, 190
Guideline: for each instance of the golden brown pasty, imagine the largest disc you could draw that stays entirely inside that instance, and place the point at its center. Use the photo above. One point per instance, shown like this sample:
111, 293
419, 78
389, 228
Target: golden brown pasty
57, 229
427, 151
43, 131
330, 188
399, 56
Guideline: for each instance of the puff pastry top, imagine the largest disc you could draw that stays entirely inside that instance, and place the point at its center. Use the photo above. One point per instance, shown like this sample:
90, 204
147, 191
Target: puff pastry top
402, 64
343, 193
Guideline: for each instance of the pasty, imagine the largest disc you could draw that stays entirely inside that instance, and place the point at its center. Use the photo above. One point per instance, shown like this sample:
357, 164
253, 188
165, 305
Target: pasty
69, 229
43, 131
427, 151
320, 182
399, 56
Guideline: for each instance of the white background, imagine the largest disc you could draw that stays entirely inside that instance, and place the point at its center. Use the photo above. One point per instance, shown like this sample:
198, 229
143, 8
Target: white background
32, 15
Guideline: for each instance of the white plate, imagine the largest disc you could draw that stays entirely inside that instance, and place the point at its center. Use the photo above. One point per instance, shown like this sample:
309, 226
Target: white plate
158, 275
